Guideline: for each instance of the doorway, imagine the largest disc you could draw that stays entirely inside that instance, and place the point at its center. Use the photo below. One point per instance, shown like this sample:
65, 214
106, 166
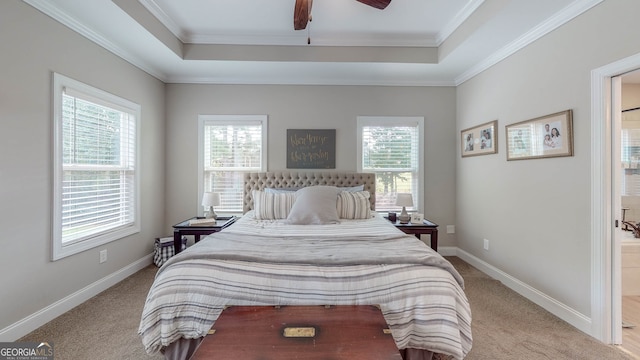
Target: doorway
628, 165
606, 292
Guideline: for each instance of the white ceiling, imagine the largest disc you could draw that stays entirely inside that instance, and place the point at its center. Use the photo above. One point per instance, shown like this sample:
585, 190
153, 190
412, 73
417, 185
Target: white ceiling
410, 43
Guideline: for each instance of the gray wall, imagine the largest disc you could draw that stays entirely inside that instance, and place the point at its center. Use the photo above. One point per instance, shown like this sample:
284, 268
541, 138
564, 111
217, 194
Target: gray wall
536, 213
312, 107
34, 46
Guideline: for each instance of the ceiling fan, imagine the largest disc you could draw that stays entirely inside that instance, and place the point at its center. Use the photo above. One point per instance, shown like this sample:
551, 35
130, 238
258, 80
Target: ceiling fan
302, 11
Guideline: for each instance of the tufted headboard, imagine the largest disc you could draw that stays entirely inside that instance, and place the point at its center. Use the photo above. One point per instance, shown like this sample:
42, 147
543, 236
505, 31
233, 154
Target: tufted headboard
282, 179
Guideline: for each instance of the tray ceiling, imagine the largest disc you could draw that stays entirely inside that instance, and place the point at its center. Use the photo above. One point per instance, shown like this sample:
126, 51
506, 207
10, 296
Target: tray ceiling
410, 43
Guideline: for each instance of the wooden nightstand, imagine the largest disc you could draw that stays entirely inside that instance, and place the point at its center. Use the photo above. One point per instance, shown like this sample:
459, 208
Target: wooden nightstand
183, 228
427, 227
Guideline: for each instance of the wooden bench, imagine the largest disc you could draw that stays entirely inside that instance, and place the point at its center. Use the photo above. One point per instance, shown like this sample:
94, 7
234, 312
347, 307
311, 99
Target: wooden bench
299, 332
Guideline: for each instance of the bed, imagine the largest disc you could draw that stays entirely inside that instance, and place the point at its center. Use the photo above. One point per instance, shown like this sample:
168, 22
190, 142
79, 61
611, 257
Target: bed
292, 248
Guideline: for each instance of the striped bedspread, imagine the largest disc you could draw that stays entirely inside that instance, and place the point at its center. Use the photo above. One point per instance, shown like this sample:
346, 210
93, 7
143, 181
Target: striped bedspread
357, 262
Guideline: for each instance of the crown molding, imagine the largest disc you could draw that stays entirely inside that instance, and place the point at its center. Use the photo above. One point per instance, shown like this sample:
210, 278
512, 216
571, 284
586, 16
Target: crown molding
49, 9
455, 23
165, 19
307, 81
324, 39
299, 38
567, 14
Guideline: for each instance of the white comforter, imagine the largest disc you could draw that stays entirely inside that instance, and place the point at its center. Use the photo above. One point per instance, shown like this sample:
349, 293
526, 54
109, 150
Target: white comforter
270, 263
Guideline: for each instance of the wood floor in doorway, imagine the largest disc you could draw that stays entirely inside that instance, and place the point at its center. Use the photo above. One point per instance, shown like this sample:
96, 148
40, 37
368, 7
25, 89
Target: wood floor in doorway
631, 316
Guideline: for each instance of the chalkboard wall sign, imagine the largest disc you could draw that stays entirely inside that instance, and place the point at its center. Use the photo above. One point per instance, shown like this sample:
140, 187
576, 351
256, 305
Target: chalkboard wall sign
311, 149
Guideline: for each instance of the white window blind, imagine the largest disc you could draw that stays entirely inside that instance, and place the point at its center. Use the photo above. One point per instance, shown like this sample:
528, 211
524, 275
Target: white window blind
391, 147
95, 166
231, 146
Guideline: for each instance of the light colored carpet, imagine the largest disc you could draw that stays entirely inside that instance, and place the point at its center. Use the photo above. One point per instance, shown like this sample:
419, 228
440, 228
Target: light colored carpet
105, 327
505, 325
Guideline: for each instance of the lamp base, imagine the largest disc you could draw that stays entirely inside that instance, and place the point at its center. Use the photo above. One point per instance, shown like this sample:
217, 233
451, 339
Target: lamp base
210, 214
404, 217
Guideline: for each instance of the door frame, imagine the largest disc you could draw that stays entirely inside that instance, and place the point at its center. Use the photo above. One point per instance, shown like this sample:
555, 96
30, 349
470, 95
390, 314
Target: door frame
606, 295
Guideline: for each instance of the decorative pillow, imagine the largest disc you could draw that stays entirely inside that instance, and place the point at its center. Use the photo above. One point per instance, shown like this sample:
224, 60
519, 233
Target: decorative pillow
272, 206
290, 189
315, 205
354, 205
352, 188
281, 190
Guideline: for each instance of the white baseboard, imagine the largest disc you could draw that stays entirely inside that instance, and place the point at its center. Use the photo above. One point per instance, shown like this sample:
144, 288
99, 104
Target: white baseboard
34, 321
43, 316
557, 308
447, 250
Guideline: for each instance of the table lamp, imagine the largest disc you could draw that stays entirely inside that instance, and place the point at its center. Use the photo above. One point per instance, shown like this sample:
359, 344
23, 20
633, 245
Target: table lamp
404, 200
209, 200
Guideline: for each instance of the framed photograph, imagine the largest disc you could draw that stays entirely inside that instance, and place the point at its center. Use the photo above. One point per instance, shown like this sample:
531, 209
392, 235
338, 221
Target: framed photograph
416, 218
480, 140
546, 136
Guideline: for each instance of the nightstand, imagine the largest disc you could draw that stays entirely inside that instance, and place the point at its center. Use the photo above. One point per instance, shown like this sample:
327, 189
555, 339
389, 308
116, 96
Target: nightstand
183, 228
427, 227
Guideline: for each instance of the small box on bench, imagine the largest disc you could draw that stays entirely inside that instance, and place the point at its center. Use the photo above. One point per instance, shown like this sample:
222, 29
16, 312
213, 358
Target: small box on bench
299, 332
163, 249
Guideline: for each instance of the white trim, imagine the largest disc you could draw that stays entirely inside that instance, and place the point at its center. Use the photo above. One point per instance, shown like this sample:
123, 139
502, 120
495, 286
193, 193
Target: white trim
326, 39
557, 308
61, 84
417, 121
565, 15
165, 19
602, 264
50, 9
298, 38
615, 135
447, 250
202, 118
43, 316
457, 20
311, 80
568, 13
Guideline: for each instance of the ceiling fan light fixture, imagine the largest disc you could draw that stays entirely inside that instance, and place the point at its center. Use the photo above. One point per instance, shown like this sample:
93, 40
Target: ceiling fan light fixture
378, 4
301, 14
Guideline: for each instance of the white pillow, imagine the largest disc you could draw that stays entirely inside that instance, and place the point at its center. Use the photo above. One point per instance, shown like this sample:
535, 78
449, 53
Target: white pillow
272, 206
353, 205
315, 205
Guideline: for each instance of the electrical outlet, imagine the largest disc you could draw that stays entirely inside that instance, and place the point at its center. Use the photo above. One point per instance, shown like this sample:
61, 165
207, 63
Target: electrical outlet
451, 229
486, 244
103, 256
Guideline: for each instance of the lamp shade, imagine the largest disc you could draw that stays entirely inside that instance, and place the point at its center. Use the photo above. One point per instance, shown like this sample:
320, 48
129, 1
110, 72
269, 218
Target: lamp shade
211, 199
404, 200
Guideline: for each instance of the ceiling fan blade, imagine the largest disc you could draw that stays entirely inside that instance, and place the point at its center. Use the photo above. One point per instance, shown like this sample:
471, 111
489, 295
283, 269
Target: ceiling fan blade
301, 13
378, 4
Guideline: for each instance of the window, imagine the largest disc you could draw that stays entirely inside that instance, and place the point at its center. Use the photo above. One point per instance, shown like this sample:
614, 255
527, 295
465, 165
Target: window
95, 177
230, 146
392, 148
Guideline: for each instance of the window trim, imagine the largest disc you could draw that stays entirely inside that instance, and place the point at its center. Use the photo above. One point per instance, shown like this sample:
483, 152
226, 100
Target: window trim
417, 121
60, 82
226, 119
